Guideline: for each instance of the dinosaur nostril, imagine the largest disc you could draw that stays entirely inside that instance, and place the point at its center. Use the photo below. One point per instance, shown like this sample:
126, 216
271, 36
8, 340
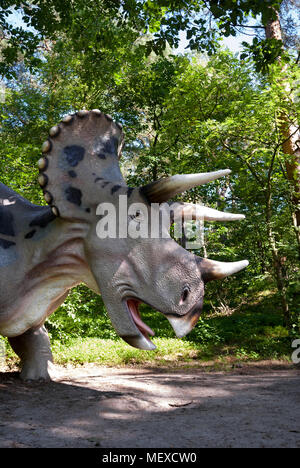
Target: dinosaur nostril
185, 294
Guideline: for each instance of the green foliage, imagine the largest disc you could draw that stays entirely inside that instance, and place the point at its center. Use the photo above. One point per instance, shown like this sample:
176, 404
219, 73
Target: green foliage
82, 314
254, 332
96, 27
181, 114
264, 52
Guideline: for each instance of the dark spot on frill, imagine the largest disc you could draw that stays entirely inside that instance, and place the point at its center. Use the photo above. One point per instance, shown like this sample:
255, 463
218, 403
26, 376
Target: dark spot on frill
74, 154
143, 193
111, 145
42, 220
30, 234
107, 147
101, 155
115, 189
105, 184
72, 174
88, 210
6, 222
5, 244
73, 195
129, 191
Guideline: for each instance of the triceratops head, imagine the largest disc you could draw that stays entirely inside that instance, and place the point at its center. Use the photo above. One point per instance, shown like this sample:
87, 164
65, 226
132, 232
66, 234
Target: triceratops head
82, 181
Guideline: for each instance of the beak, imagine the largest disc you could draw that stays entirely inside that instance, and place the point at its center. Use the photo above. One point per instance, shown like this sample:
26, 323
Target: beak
183, 324
139, 341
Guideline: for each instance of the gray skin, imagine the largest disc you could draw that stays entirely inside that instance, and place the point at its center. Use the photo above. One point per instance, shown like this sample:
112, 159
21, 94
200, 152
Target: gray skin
46, 251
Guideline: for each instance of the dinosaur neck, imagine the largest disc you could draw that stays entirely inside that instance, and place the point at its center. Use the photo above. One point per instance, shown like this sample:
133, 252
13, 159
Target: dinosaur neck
58, 251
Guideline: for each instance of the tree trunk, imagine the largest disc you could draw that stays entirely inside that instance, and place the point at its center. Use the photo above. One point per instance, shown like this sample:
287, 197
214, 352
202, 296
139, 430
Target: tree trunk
290, 137
277, 263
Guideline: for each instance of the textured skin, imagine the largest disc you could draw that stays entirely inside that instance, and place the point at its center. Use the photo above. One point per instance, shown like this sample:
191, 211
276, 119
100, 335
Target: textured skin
33, 347
45, 251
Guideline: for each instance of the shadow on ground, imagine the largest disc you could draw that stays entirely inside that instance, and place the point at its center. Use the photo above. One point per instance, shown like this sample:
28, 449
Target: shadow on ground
109, 407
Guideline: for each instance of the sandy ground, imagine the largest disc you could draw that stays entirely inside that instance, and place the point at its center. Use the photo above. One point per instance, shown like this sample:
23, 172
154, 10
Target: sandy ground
93, 406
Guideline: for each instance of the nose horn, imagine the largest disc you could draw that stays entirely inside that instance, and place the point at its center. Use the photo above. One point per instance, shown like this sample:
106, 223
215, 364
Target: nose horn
211, 269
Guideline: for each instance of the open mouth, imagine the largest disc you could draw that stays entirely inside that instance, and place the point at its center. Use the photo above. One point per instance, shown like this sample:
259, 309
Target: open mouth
181, 324
133, 307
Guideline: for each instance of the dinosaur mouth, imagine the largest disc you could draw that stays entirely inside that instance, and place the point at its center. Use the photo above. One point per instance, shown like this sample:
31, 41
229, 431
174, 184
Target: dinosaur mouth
133, 307
181, 324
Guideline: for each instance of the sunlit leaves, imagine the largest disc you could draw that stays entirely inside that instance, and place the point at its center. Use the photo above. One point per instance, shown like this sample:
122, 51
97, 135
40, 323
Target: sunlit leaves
264, 52
91, 24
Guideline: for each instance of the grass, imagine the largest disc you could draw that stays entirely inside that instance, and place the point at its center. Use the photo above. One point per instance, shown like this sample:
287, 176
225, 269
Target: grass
117, 352
254, 333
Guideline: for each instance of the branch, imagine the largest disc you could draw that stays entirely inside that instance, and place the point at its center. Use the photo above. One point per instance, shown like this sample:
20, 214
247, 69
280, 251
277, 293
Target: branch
272, 163
259, 181
248, 26
170, 146
215, 105
281, 143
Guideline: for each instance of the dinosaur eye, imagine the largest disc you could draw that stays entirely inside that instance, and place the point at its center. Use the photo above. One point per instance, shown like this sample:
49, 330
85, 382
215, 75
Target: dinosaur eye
185, 293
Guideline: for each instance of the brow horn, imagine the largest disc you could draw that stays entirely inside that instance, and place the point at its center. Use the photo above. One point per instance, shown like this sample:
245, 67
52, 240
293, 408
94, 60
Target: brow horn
164, 189
196, 211
212, 269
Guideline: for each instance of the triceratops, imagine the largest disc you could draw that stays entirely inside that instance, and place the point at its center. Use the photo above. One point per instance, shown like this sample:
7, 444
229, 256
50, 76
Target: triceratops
47, 250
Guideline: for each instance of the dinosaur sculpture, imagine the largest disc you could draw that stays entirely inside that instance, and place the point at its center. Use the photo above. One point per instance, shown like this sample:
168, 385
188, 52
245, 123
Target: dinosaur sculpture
45, 251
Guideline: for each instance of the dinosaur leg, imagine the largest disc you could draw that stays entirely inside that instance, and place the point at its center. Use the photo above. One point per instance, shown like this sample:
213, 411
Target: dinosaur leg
33, 347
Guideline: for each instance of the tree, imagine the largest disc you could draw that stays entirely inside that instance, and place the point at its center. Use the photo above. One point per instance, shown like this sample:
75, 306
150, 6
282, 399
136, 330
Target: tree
181, 115
289, 128
219, 116
100, 24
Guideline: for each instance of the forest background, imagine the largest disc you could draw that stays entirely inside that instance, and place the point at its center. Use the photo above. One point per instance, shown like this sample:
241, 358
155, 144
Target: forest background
183, 111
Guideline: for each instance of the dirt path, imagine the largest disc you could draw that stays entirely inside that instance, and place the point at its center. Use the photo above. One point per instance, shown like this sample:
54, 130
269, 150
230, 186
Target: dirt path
107, 407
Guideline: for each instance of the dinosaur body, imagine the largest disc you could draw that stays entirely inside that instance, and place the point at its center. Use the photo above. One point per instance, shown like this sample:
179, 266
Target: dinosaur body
42, 257
45, 251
